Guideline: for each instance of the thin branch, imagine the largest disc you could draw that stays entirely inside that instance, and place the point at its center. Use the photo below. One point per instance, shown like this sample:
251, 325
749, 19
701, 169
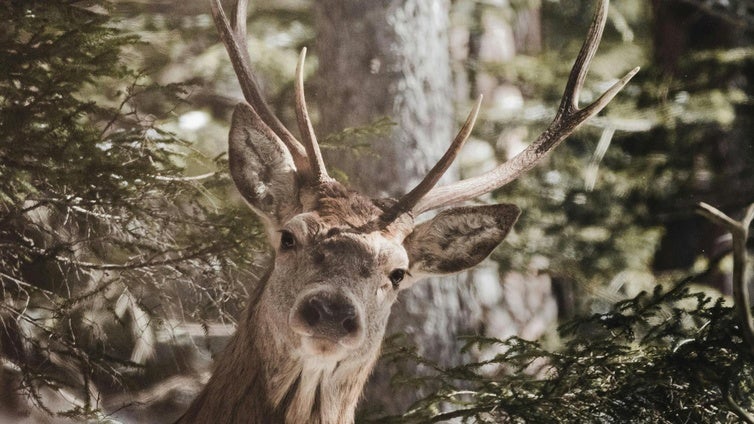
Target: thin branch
740, 232
137, 265
50, 295
741, 412
105, 216
19, 212
118, 111
183, 179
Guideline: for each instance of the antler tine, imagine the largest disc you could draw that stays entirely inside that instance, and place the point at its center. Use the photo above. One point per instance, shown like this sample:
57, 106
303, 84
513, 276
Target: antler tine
410, 199
234, 39
238, 21
568, 118
238, 24
319, 172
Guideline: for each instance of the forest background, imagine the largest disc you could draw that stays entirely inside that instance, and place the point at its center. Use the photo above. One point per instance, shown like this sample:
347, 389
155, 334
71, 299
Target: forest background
126, 254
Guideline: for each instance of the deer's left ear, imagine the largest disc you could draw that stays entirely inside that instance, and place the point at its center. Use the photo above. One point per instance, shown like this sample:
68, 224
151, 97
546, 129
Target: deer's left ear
458, 238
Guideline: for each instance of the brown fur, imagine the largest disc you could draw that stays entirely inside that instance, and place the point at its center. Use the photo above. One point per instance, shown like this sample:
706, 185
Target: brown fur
257, 382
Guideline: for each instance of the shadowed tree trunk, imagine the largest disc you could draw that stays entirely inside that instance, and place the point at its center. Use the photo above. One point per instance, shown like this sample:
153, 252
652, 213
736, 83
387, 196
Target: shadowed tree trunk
680, 30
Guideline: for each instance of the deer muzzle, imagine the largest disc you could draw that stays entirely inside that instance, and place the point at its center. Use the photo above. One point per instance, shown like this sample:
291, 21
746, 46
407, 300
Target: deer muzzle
327, 320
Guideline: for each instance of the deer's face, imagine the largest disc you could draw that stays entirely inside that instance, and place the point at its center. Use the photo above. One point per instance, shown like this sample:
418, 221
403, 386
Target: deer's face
342, 258
334, 282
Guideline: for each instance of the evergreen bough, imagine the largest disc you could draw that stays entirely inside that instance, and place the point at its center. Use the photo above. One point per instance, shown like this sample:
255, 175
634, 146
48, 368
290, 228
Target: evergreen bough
670, 356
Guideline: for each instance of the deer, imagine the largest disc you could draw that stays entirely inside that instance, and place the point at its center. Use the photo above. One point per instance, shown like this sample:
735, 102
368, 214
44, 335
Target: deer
312, 331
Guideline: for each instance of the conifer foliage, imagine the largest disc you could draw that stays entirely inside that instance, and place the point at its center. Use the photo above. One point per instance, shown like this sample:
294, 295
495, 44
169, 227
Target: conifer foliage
100, 228
671, 356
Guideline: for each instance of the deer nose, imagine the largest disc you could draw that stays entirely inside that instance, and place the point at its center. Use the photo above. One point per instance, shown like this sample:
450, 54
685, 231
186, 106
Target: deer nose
331, 316
318, 312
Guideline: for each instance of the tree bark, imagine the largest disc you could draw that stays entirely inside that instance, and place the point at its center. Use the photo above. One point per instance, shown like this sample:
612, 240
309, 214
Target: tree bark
390, 58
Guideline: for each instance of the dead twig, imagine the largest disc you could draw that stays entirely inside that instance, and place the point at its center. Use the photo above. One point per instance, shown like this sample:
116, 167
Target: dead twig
740, 232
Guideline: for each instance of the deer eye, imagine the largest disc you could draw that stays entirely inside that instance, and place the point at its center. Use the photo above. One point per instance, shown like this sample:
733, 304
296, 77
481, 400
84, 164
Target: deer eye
396, 276
287, 240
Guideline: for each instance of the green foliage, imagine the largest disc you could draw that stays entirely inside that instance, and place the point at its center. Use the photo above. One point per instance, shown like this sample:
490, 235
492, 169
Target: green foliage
100, 230
615, 202
670, 356
357, 140
585, 208
44, 65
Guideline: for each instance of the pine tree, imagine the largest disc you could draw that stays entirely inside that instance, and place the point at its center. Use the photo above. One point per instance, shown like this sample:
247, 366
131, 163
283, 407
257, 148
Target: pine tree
100, 229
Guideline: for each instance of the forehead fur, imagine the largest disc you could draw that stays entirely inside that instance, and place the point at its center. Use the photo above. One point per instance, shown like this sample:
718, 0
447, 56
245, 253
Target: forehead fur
337, 206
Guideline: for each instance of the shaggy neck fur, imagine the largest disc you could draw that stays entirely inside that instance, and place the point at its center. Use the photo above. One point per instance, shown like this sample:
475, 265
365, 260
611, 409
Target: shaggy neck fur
259, 380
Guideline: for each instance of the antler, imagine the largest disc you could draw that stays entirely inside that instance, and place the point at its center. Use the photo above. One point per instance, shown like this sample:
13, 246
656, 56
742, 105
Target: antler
305, 126
410, 199
568, 118
307, 158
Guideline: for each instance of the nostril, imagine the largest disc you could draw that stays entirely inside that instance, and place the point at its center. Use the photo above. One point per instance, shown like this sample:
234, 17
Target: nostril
310, 313
330, 316
350, 325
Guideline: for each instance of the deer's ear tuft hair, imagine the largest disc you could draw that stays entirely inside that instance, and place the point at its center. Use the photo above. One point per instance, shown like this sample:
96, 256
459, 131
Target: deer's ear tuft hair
458, 238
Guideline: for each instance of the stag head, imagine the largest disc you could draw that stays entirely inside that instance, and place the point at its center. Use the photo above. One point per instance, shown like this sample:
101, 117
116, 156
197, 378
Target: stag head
341, 258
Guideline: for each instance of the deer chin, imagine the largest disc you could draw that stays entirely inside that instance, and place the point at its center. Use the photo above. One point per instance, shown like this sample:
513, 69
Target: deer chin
323, 348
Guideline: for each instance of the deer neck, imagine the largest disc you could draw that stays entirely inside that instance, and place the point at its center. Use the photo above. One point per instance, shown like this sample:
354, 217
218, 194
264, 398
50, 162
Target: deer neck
258, 379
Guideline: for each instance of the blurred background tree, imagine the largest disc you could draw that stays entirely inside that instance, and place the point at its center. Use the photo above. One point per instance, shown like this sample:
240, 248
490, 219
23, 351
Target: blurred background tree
126, 253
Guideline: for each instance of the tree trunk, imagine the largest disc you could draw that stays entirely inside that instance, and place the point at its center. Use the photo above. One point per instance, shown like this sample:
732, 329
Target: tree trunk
386, 59
680, 30
390, 58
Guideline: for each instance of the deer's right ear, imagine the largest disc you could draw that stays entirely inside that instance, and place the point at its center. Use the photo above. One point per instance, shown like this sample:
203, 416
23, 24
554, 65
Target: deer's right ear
261, 166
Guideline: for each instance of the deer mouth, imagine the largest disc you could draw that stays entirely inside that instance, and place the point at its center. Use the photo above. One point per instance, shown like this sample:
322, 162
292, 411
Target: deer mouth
322, 347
